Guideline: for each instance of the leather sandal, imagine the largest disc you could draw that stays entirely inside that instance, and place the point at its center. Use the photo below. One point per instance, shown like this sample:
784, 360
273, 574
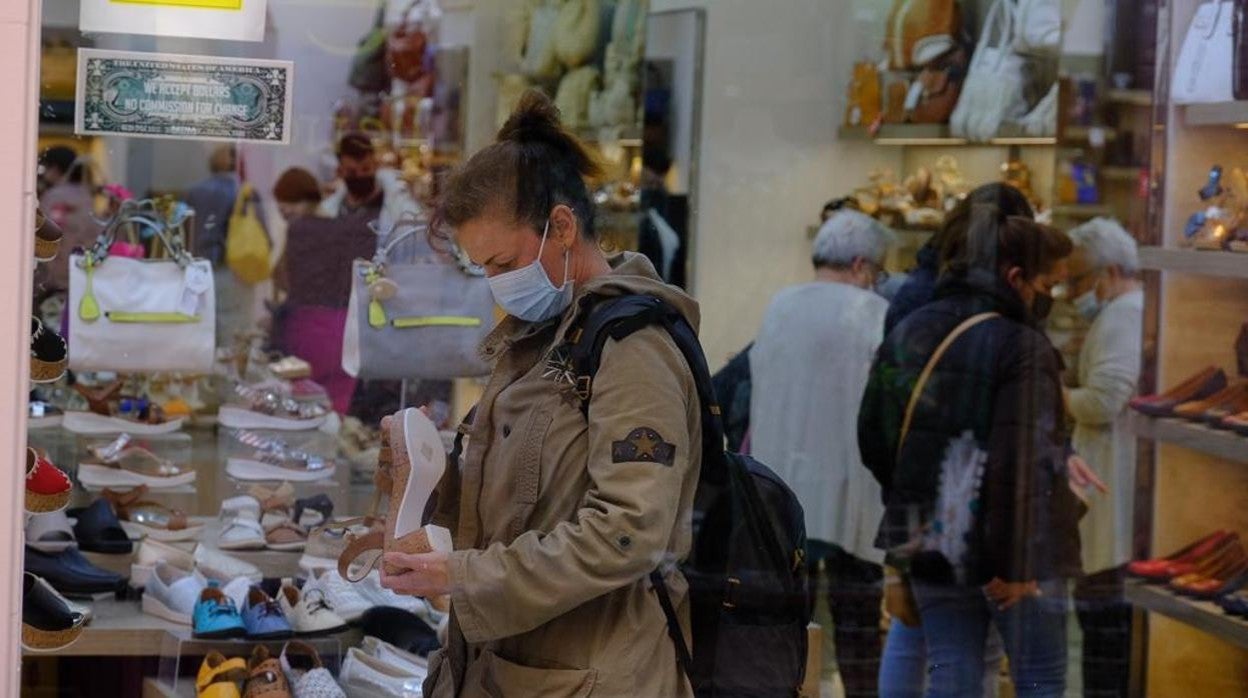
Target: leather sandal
265, 676
412, 436
219, 677
151, 518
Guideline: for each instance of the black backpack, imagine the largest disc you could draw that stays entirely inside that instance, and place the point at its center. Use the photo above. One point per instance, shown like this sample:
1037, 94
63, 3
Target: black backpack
746, 569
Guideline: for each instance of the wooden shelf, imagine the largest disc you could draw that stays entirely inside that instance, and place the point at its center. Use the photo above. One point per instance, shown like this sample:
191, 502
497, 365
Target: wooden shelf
1084, 133
1190, 435
1202, 615
1206, 263
1122, 174
937, 135
1136, 98
1216, 114
1082, 211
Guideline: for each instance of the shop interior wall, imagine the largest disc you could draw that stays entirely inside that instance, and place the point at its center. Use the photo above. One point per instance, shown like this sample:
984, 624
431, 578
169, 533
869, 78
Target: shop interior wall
1200, 319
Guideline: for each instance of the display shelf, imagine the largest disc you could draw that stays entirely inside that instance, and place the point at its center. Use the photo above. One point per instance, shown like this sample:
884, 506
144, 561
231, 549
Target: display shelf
937, 135
1122, 174
1084, 133
1216, 114
1206, 263
1197, 437
1202, 615
1082, 211
1136, 98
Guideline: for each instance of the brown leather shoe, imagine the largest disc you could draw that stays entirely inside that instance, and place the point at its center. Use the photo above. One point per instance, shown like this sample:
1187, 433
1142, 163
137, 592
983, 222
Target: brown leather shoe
1200, 386
1224, 400
264, 676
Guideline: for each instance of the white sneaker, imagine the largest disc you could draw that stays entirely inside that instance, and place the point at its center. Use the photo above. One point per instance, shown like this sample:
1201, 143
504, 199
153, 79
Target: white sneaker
367, 677
308, 611
342, 595
370, 588
171, 593
218, 566
413, 664
152, 552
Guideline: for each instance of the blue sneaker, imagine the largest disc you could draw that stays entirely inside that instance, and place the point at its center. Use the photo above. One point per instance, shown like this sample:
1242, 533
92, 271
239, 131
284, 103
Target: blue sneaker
216, 617
263, 617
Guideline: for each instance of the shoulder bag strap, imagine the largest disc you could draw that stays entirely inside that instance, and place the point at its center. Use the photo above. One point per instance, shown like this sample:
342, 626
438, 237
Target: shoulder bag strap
931, 366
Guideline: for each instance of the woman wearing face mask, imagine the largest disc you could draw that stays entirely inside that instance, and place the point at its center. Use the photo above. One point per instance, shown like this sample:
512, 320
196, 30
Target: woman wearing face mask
995, 391
1105, 287
558, 517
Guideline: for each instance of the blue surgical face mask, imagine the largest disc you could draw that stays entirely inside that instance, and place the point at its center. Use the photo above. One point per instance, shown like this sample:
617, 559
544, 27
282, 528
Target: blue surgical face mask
1088, 305
528, 293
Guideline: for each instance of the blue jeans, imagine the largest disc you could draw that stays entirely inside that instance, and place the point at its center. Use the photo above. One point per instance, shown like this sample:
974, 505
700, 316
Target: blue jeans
956, 623
903, 670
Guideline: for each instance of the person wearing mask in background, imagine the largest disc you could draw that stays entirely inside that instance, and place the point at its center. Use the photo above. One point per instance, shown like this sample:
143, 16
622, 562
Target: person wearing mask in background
920, 286
213, 200
314, 272
809, 367
992, 403
561, 516
1105, 289
367, 192
68, 198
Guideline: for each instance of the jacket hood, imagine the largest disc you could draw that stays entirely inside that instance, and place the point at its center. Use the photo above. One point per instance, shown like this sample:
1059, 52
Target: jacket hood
928, 257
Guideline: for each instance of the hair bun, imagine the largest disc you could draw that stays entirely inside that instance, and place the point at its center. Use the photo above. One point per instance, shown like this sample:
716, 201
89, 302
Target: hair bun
535, 118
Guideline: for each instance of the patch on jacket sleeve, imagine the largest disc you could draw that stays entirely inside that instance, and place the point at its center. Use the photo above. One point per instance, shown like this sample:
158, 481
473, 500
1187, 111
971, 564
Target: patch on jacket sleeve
643, 445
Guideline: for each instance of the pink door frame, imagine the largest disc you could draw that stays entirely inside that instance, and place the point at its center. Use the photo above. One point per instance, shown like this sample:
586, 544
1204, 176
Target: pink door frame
19, 53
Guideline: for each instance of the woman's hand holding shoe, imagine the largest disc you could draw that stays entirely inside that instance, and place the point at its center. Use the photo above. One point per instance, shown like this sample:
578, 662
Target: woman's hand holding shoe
425, 574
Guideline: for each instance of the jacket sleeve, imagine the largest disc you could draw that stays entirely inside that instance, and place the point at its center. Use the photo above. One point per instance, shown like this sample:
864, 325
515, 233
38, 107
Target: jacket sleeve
639, 440
1113, 372
876, 444
1026, 457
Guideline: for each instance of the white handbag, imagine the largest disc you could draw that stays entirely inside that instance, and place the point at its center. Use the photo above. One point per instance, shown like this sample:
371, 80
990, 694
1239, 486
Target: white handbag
141, 315
1039, 26
1203, 72
993, 92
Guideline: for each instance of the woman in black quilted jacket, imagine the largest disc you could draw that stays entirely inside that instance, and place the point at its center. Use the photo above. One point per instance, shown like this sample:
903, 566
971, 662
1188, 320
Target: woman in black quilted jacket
979, 514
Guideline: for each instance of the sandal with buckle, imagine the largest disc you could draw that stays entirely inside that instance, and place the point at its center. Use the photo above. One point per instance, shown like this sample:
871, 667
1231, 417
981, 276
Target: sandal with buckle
152, 519
219, 677
273, 461
418, 462
110, 412
269, 407
123, 464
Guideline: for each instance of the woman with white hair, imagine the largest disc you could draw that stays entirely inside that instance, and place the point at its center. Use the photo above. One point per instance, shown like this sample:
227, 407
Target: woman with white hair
809, 368
1105, 289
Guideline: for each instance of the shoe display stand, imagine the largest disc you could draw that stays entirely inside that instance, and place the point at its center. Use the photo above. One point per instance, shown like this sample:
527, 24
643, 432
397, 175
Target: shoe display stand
181, 655
1191, 479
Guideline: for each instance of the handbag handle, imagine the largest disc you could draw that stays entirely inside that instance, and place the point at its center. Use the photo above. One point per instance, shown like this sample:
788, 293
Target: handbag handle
243, 201
1000, 16
434, 10
144, 214
931, 366
408, 226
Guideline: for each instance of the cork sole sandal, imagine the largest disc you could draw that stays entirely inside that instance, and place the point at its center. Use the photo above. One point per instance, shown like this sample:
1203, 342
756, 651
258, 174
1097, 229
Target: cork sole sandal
37, 640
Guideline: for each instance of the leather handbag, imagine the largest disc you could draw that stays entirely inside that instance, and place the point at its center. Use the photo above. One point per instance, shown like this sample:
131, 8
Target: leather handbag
993, 92
368, 66
1040, 24
141, 315
935, 93
424, 318
407, 47
920, 31
1205, 66
576, 32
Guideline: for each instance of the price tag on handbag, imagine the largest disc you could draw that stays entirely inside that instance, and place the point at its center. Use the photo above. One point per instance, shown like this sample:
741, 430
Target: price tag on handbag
195, 281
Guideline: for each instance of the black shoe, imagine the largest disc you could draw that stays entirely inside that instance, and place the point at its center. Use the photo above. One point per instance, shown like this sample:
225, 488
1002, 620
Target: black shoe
400, 628
70, 573
48, 623
99, 531
49, 356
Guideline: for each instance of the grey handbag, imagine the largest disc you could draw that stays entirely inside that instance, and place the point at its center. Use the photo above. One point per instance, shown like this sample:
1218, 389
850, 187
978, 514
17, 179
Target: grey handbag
421, 318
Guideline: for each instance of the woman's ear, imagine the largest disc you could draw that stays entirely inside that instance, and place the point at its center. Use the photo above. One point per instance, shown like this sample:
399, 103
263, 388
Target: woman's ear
565, 229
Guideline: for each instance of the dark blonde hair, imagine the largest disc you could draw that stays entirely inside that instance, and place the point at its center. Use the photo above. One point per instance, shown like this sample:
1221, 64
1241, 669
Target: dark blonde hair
1020, 242
535, 165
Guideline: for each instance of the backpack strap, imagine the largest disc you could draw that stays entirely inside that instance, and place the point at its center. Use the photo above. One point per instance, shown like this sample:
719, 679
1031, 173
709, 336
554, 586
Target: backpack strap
683, 657
617, 318
931, 366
